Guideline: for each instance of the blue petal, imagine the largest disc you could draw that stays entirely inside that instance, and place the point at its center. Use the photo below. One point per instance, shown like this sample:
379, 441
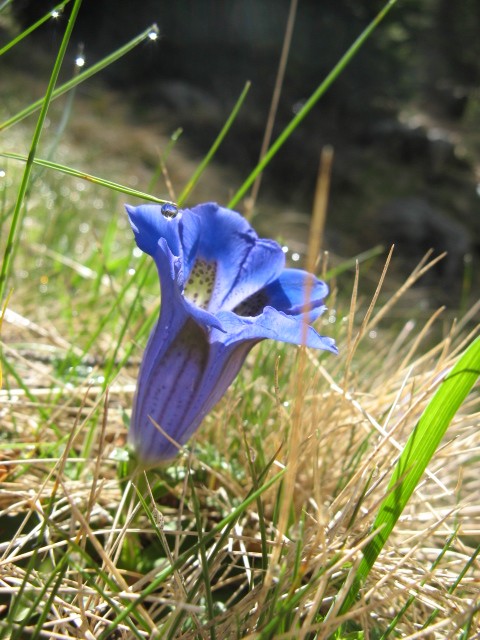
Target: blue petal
183, 375
149, 225
170, 376
244, 263
271, 324
290, 291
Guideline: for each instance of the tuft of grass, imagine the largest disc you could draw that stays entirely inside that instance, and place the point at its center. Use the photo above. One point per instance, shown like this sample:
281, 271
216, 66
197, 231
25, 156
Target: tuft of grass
296, 511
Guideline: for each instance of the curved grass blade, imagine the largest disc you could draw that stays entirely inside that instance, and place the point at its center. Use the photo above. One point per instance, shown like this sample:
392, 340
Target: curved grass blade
88, 73
311, 102
134, 193
418, 451
44, 104
49, 15
201, 167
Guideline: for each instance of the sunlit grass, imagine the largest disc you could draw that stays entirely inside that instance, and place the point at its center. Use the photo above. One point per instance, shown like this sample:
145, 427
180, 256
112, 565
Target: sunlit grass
236, 537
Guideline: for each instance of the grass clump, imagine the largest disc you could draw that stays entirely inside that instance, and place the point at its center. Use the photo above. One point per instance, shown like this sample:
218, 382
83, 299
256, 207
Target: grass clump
267, 523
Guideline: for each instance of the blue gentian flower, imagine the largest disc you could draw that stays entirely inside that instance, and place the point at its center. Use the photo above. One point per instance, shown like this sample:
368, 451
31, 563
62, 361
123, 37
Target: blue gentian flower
223, 289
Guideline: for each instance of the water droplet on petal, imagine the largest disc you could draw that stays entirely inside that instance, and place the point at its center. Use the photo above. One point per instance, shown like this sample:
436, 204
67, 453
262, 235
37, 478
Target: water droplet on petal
169, 210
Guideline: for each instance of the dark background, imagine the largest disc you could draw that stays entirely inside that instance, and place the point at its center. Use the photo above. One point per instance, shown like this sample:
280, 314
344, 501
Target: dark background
403, 117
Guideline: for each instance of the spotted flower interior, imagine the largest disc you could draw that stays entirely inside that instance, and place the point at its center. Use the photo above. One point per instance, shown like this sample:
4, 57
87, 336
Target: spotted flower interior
223, 289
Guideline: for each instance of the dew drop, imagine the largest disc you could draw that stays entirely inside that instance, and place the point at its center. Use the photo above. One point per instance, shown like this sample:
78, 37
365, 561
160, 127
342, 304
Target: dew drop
80, 61
169, 210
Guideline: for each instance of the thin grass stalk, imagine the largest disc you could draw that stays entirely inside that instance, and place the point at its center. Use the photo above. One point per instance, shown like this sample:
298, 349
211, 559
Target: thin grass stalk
213, 149
320, 205
311, 102
219, 545
209, 536
5, 4
350, 263
203, 557
141, 613
81, 77
267, 135
260, 509
17, 217
20, 632
393, 624
2, 316
468, 565
33, 27
82, 175
76, 548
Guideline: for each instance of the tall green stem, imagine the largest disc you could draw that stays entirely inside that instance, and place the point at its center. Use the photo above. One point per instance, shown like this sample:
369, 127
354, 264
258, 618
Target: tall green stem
17, 217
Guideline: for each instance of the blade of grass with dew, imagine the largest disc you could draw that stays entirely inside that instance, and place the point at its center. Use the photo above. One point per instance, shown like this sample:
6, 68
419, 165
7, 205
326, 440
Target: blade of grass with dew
134, 193
413, 461
31, 28
17, 216
81, 77
351, 263
202, 166
311, 102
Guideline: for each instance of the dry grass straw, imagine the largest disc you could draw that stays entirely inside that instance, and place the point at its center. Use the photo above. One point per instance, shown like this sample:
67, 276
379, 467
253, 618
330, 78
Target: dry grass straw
345, 421
334, 425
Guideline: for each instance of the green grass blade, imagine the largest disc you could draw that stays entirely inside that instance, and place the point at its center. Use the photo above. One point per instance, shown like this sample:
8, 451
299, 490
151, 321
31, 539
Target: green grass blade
81, 77
311, 102
32, 28
134, 193
44, 104
202, 166
203, 557
210, 535
2, 315
468, 565
420, 447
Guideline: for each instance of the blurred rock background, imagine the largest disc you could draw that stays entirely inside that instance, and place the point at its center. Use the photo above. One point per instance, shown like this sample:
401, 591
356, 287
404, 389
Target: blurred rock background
403, 118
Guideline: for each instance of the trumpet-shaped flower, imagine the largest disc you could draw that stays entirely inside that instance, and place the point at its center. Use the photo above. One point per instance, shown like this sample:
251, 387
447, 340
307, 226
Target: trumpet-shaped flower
223, 289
